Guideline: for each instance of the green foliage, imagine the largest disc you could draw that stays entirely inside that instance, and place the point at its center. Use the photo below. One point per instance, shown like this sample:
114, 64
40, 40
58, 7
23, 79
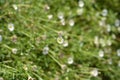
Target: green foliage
59, 40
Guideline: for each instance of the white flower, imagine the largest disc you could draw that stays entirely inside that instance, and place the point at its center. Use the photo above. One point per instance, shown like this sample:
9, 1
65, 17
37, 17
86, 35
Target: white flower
60, 15
1, 78
60, 40
46, 7
118, 63
113, 36
110, 61
45, 50
117, 22
71, 22
70, 60
62, 22
50, 16
80, 11
108, 28
118, 52
14, 50
65, 43
102, 42
30, 78
11, 27
0, 38
101, 53
94, 72
15, 6
104, 12
80, 3
96, 40
109, 43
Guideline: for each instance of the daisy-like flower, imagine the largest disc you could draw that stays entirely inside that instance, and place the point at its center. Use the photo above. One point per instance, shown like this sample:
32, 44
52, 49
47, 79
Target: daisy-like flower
101, 53
60, 40
70, 60
81, 3
15, 6
14, 50
71, 22
11, 27
0, 38
50, 16
45, 50
118, 52
94, 72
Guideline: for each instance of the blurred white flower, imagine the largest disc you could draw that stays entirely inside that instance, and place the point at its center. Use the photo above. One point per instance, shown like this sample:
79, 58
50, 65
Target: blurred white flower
101, 53
62, 22
46, 7
60, 15
1, 78
45, 50
60, 40
15, 6
70, 60
65, 43
80, 11
30, 78
71, 22
14, 50
104, 12
113, 36
117, 23
0, 38
96, 41
50, 16
118, 63
81, 3
110, 61
94, 72
11, 27
102, 42
108, 28
109, 43
118, 52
